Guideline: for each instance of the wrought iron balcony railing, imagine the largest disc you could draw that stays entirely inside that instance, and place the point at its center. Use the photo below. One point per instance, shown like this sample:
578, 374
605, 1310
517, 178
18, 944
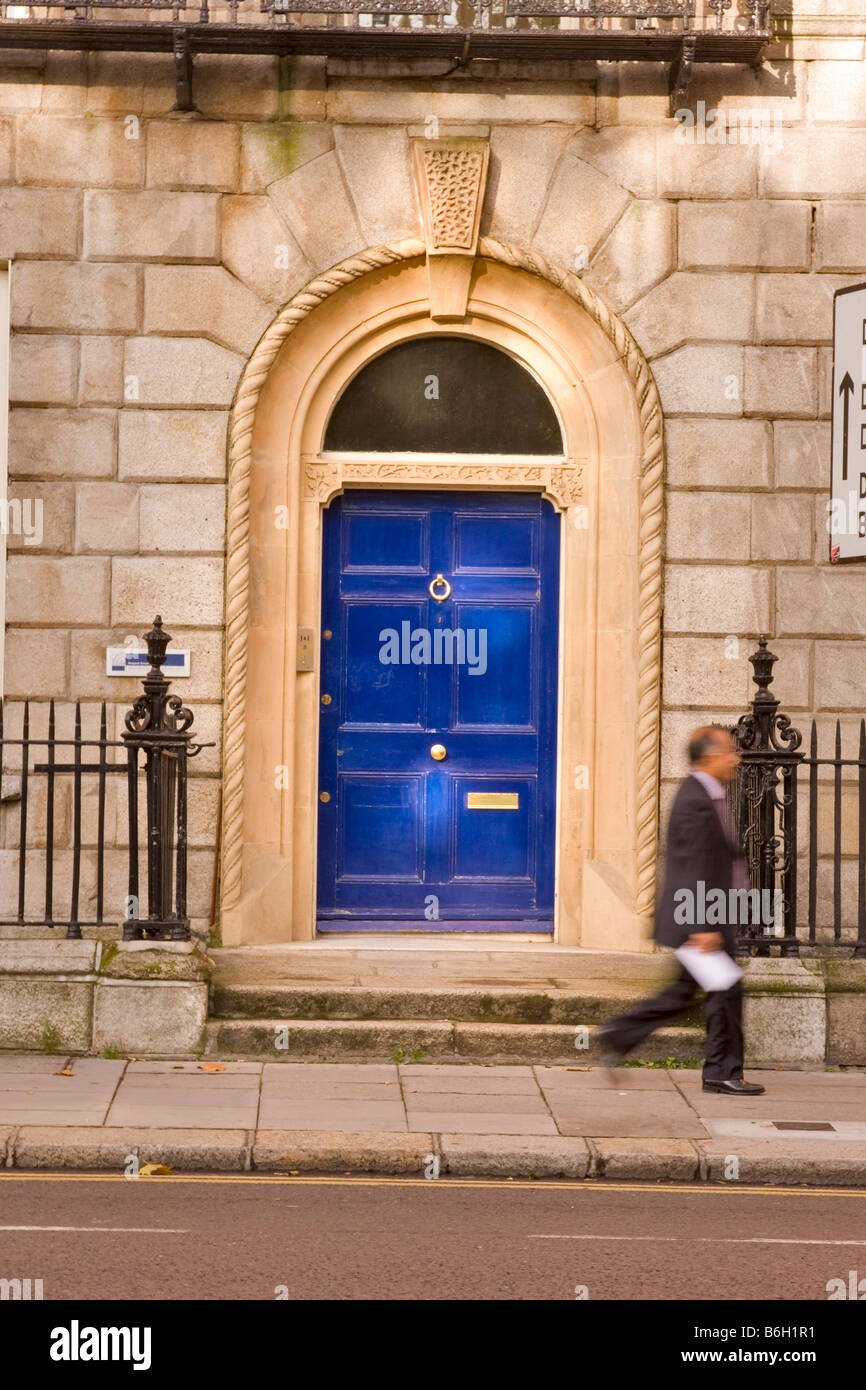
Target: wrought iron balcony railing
594, 15
679, 32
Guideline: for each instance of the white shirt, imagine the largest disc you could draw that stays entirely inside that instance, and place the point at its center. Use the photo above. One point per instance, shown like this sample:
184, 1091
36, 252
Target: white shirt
711, 784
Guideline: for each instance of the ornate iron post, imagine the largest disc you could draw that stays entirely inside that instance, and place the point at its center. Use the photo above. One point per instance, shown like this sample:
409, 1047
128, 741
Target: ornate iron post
158, 724
769, 761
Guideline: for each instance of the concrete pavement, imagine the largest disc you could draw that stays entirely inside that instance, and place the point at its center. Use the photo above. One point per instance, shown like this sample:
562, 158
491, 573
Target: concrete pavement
626, 1123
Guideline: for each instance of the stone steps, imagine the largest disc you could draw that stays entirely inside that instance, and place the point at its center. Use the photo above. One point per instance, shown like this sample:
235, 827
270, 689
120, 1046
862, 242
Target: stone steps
432, 1001
587, 1006
437, 965
430, 1040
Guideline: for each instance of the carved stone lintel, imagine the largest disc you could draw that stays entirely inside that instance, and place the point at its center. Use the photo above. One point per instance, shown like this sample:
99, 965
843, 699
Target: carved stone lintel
563, 483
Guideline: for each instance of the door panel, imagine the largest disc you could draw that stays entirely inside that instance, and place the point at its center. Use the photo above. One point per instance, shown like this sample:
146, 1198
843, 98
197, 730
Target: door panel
382, 823
384, 542
500, 690
493, 842
492, 543
407, 841
373, 693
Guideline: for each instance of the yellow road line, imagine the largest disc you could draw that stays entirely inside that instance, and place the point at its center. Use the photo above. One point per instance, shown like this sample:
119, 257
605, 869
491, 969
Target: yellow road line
506, 1184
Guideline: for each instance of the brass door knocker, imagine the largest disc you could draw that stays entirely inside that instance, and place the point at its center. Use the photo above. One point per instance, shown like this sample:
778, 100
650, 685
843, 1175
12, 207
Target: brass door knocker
440, 579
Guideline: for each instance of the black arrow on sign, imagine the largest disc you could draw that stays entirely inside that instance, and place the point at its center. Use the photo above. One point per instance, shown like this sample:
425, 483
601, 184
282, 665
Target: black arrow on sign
846, 391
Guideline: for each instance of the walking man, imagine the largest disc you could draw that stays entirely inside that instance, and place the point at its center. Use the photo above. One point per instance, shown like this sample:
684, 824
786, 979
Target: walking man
703, 853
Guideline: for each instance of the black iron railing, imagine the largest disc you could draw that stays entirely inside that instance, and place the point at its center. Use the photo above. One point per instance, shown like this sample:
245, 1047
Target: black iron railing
33, 775
816, 894
678, 32
700, 15
810, 894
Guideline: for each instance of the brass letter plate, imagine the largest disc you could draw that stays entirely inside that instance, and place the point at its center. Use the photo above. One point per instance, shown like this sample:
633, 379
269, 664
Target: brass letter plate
492, 801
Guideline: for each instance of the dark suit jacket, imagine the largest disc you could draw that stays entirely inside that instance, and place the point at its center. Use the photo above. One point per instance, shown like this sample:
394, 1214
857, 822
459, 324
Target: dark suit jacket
697, 848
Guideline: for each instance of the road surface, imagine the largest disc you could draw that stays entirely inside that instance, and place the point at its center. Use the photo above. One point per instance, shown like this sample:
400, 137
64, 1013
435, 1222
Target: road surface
250, 1236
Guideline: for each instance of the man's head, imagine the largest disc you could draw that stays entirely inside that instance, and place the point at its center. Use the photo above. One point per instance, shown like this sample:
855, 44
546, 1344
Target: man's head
714, 751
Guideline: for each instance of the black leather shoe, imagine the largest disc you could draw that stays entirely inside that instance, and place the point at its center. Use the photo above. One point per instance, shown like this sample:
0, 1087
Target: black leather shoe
734, 1088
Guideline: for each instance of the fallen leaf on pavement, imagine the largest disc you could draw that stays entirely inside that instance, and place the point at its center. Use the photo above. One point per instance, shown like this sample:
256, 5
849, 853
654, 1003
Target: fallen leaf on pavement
211, 1066
66, 1071
153, 1170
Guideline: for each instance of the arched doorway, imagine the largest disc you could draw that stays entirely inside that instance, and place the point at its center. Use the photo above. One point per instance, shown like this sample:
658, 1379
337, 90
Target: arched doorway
438, 658
604, 486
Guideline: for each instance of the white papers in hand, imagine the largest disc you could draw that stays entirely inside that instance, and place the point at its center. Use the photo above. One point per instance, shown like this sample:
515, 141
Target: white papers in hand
713, 970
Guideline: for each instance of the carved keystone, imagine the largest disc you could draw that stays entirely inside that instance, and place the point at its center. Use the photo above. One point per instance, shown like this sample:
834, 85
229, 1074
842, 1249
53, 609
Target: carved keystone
450, 176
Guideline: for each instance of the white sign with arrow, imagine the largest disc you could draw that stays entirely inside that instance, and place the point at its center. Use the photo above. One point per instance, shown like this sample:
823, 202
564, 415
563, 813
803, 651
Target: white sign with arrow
847, 520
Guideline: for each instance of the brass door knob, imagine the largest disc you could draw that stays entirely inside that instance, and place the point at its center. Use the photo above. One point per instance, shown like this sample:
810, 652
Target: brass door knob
438, 752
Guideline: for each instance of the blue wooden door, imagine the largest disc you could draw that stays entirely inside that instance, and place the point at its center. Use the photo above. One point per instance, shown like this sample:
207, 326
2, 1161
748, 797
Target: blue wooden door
437, 768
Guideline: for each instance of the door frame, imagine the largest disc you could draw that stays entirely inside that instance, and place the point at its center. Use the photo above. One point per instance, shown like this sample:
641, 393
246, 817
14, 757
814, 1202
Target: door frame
607, 487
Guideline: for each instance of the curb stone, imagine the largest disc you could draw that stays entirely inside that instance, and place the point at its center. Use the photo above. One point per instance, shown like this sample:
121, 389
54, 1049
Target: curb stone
80, 1147
797, 1164
508, 1155
760, 1162
333, 1151
646, 1160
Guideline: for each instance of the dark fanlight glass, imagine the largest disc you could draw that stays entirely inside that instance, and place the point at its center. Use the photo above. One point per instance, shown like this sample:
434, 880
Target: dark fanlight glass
444, 395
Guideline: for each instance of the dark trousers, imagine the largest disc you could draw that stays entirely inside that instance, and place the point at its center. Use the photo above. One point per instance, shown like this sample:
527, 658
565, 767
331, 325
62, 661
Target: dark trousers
723, 1012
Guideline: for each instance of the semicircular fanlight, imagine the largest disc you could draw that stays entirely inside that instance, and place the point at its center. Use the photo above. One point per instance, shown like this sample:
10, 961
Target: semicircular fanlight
444, 395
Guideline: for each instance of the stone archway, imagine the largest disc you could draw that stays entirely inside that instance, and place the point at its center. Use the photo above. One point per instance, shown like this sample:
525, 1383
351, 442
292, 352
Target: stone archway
612, 470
